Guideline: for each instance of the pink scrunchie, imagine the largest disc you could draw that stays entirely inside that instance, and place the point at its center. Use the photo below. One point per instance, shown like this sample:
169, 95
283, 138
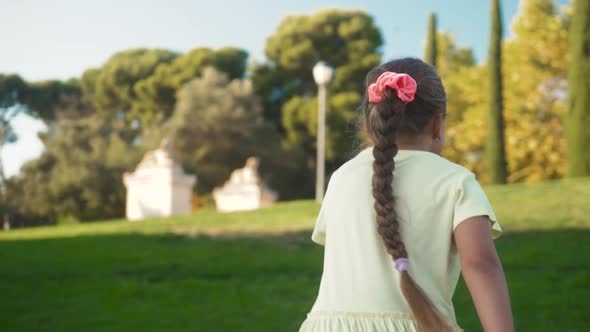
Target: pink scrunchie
404, 85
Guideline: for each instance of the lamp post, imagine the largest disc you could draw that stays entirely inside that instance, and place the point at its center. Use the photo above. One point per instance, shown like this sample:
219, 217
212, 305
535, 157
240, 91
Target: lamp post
322, 74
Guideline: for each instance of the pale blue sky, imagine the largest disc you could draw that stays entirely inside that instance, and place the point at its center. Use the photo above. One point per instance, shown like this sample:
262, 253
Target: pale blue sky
61, 38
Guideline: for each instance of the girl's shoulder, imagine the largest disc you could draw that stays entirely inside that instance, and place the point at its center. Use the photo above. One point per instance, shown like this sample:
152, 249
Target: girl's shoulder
422, 162
446, 170
362, 159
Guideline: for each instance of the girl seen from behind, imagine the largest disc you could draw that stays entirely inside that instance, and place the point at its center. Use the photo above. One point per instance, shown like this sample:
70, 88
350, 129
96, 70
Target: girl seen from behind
400, 223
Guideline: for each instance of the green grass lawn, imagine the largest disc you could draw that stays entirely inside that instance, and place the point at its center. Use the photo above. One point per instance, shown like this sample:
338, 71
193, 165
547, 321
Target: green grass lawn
259, 271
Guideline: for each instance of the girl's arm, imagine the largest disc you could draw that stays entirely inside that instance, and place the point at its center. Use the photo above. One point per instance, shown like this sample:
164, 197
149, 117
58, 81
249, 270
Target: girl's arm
483, 274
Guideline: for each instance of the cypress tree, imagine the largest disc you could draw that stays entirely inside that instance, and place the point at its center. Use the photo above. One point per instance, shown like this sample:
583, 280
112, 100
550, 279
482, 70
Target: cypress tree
578, 117
495, 148
430, 52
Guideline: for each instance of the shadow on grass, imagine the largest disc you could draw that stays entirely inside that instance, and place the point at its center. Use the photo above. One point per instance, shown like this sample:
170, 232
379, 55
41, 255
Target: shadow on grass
246, 283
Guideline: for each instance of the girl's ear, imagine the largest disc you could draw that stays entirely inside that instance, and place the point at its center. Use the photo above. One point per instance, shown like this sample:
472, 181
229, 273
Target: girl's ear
437, 126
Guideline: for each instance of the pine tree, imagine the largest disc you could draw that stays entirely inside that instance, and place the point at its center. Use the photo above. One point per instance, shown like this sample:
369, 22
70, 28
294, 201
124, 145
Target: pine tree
430, 52
578, 117
495, 148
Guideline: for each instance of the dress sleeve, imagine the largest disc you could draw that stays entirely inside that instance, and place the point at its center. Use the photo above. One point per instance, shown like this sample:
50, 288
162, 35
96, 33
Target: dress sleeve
319, 231
472, 201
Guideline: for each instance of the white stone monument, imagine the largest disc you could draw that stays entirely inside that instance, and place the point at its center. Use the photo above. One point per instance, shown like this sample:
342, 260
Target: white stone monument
244, 190
158, 187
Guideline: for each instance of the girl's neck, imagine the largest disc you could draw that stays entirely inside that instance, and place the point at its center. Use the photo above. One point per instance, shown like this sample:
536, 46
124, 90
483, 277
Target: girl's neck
422, 145
412, 147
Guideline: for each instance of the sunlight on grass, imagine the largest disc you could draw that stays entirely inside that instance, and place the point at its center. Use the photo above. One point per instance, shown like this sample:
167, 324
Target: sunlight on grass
192, 273
554, 204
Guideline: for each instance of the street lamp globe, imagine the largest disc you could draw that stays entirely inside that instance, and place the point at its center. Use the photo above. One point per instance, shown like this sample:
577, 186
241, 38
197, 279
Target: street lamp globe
322, 73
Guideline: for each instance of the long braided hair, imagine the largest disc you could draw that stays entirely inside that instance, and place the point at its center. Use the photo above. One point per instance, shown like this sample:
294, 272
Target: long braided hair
383, 122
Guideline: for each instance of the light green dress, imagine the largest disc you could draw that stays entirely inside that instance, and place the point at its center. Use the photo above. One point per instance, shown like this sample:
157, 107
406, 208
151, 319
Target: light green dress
359, 290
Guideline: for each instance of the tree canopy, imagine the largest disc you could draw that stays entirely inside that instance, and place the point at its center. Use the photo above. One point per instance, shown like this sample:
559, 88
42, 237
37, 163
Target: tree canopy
220, 110
218, 124
349, 41
535, 81
79, 175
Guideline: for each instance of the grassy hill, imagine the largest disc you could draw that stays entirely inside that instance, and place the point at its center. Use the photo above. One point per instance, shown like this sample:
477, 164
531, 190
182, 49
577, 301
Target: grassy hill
259, 271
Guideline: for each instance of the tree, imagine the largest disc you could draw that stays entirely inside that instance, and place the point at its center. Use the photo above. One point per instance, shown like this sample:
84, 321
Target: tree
495, 148
12, 87
217, 125
430, 53
111, 88
142, 83
42, 99
578, 117
347, 40
300, 117
274, 86
156, 95
535, 64
89, 143
38, 99
467, 106
450, 57
79, 175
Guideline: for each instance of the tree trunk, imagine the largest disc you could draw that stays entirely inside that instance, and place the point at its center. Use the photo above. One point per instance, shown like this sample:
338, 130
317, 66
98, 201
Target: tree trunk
495, 148
578, 117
